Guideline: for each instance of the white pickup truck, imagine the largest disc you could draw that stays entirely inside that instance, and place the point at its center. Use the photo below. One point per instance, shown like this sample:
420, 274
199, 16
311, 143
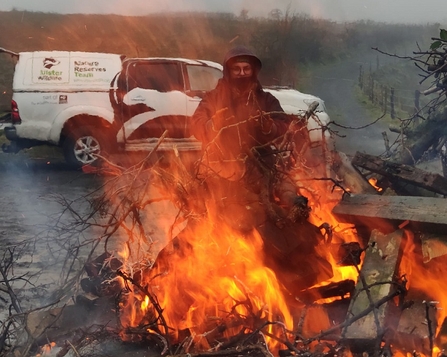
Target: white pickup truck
91, 103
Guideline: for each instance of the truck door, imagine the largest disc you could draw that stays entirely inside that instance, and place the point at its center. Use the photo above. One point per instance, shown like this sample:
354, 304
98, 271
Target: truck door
154, 99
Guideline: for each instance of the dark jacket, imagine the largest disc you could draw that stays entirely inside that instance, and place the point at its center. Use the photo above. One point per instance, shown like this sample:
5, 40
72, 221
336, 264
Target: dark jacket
247, 111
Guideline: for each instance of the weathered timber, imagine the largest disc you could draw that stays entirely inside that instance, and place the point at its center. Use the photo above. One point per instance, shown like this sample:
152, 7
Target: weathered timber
372, 210
417, 177
376, 281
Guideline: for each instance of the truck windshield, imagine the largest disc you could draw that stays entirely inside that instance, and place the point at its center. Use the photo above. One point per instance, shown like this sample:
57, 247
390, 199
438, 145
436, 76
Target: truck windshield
202, 78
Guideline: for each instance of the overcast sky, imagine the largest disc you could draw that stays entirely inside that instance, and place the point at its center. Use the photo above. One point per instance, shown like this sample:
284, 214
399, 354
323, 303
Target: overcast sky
395, 11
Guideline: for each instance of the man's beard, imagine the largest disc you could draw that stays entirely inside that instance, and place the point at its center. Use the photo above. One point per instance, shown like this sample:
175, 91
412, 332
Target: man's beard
242, 84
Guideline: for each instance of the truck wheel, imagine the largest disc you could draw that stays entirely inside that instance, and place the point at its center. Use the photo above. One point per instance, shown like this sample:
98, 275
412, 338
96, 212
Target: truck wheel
84, 144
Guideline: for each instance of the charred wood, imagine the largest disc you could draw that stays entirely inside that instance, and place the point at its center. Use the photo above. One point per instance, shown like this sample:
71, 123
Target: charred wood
101, 273
415, 329
340, 289
347, 254
394, 171
255, 350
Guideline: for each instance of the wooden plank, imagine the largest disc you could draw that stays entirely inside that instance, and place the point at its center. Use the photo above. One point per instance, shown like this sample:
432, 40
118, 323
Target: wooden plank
356, 208
380, 267
430, 181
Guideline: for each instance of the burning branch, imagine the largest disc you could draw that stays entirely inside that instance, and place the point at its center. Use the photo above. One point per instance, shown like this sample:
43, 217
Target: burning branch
154, 303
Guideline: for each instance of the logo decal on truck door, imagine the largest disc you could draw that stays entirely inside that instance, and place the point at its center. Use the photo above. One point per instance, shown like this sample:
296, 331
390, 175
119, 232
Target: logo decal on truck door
49, 62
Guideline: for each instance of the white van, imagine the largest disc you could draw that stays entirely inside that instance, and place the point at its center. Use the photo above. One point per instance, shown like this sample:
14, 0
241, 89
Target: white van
91, 103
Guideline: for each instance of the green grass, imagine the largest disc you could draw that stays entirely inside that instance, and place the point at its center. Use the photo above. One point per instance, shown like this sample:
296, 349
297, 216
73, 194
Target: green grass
374, 110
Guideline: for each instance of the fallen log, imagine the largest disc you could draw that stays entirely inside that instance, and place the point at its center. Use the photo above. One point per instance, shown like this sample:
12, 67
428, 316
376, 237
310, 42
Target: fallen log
409, 174
350, 177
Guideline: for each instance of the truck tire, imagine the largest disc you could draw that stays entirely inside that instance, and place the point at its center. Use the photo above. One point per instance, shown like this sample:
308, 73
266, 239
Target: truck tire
84, 144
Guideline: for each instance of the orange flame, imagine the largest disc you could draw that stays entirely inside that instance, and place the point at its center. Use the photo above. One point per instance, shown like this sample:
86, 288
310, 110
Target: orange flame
223, 275
373, 182
213, 275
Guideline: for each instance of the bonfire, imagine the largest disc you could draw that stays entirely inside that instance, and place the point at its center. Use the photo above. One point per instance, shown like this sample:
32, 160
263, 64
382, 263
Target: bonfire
248, 279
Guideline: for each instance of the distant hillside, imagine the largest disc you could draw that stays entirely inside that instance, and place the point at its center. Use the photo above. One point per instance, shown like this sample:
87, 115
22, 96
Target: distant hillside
284, 43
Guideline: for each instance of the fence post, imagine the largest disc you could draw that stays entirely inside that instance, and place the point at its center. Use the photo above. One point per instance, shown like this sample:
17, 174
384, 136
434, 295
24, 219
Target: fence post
385, 100
361, 77
392, 112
